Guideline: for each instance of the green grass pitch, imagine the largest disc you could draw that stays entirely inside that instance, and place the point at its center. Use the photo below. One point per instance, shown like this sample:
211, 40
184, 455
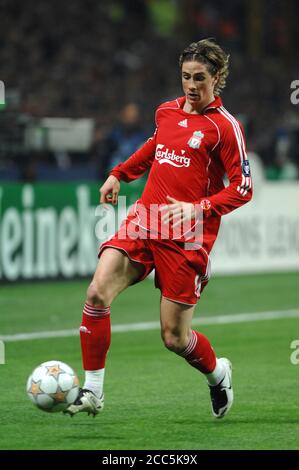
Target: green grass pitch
154, 400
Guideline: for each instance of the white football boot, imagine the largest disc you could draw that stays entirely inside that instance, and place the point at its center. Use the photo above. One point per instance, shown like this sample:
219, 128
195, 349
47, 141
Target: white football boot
87, 402
222, 395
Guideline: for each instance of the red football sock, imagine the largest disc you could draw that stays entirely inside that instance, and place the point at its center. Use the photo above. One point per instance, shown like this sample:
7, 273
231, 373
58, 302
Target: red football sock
199, 353
95, 335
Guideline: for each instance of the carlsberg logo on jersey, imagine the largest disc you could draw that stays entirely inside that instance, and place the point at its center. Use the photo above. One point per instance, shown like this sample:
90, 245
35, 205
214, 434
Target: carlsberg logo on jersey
170, 157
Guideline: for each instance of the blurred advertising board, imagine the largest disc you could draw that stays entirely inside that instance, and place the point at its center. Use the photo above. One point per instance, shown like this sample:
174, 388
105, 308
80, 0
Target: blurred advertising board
51, 230
262, 236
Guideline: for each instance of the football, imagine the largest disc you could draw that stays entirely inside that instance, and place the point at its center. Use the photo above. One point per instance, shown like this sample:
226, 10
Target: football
52, 386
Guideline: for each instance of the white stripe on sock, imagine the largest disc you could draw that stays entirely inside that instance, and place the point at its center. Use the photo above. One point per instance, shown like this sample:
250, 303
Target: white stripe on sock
96, 312
191, 345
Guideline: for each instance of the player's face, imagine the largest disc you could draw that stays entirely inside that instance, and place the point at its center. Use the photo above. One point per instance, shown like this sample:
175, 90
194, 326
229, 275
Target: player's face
198, 85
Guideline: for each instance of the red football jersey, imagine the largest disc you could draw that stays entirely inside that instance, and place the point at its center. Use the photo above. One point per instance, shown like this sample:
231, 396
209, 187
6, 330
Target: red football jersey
188, 156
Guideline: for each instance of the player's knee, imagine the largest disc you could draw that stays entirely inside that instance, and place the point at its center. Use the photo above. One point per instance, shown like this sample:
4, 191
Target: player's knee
97, 295
173, 341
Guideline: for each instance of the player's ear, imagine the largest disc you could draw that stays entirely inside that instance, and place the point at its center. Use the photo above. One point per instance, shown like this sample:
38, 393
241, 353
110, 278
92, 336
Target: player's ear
215, 78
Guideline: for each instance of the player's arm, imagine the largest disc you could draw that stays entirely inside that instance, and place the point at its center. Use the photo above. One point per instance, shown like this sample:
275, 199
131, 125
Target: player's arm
233, 155
138, 163
129, 170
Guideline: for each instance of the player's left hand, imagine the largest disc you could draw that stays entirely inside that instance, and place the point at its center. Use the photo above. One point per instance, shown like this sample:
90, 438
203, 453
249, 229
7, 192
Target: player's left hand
177, 212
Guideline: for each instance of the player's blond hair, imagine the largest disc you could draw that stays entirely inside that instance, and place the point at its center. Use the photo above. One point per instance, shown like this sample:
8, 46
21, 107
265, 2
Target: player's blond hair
212, 55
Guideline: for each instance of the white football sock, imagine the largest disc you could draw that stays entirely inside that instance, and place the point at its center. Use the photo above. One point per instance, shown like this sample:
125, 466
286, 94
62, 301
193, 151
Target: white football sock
94, 381
215, 377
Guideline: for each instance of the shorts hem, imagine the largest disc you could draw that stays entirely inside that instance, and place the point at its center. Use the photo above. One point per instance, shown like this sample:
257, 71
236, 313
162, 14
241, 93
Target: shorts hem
141, 278
178, 301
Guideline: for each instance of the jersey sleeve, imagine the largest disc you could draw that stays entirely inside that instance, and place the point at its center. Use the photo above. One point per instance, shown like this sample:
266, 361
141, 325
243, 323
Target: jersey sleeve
135, 166
232, 153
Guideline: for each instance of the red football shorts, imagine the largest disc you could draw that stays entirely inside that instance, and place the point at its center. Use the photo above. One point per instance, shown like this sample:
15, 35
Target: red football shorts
180, 274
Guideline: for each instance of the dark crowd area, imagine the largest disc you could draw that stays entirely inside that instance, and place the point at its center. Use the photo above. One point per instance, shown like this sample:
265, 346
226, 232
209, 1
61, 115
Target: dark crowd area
111, 63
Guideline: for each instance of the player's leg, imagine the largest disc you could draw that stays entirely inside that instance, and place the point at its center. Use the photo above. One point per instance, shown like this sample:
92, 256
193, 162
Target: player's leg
179, 337
195, 348
115, 272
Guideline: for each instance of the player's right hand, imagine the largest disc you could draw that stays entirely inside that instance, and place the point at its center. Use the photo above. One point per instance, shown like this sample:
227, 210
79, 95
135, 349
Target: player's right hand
109, 191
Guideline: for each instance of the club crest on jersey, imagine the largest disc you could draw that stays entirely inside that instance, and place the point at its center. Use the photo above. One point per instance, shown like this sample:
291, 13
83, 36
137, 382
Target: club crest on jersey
195, 141
246, 168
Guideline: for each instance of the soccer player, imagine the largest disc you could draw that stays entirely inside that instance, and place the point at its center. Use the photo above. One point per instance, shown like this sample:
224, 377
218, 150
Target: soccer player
196, 142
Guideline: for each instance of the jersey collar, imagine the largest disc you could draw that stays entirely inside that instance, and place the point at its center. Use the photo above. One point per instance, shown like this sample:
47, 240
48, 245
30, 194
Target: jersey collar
213, 105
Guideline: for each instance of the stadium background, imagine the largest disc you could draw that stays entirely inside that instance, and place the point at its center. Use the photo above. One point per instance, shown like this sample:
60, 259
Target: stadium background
81, 82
